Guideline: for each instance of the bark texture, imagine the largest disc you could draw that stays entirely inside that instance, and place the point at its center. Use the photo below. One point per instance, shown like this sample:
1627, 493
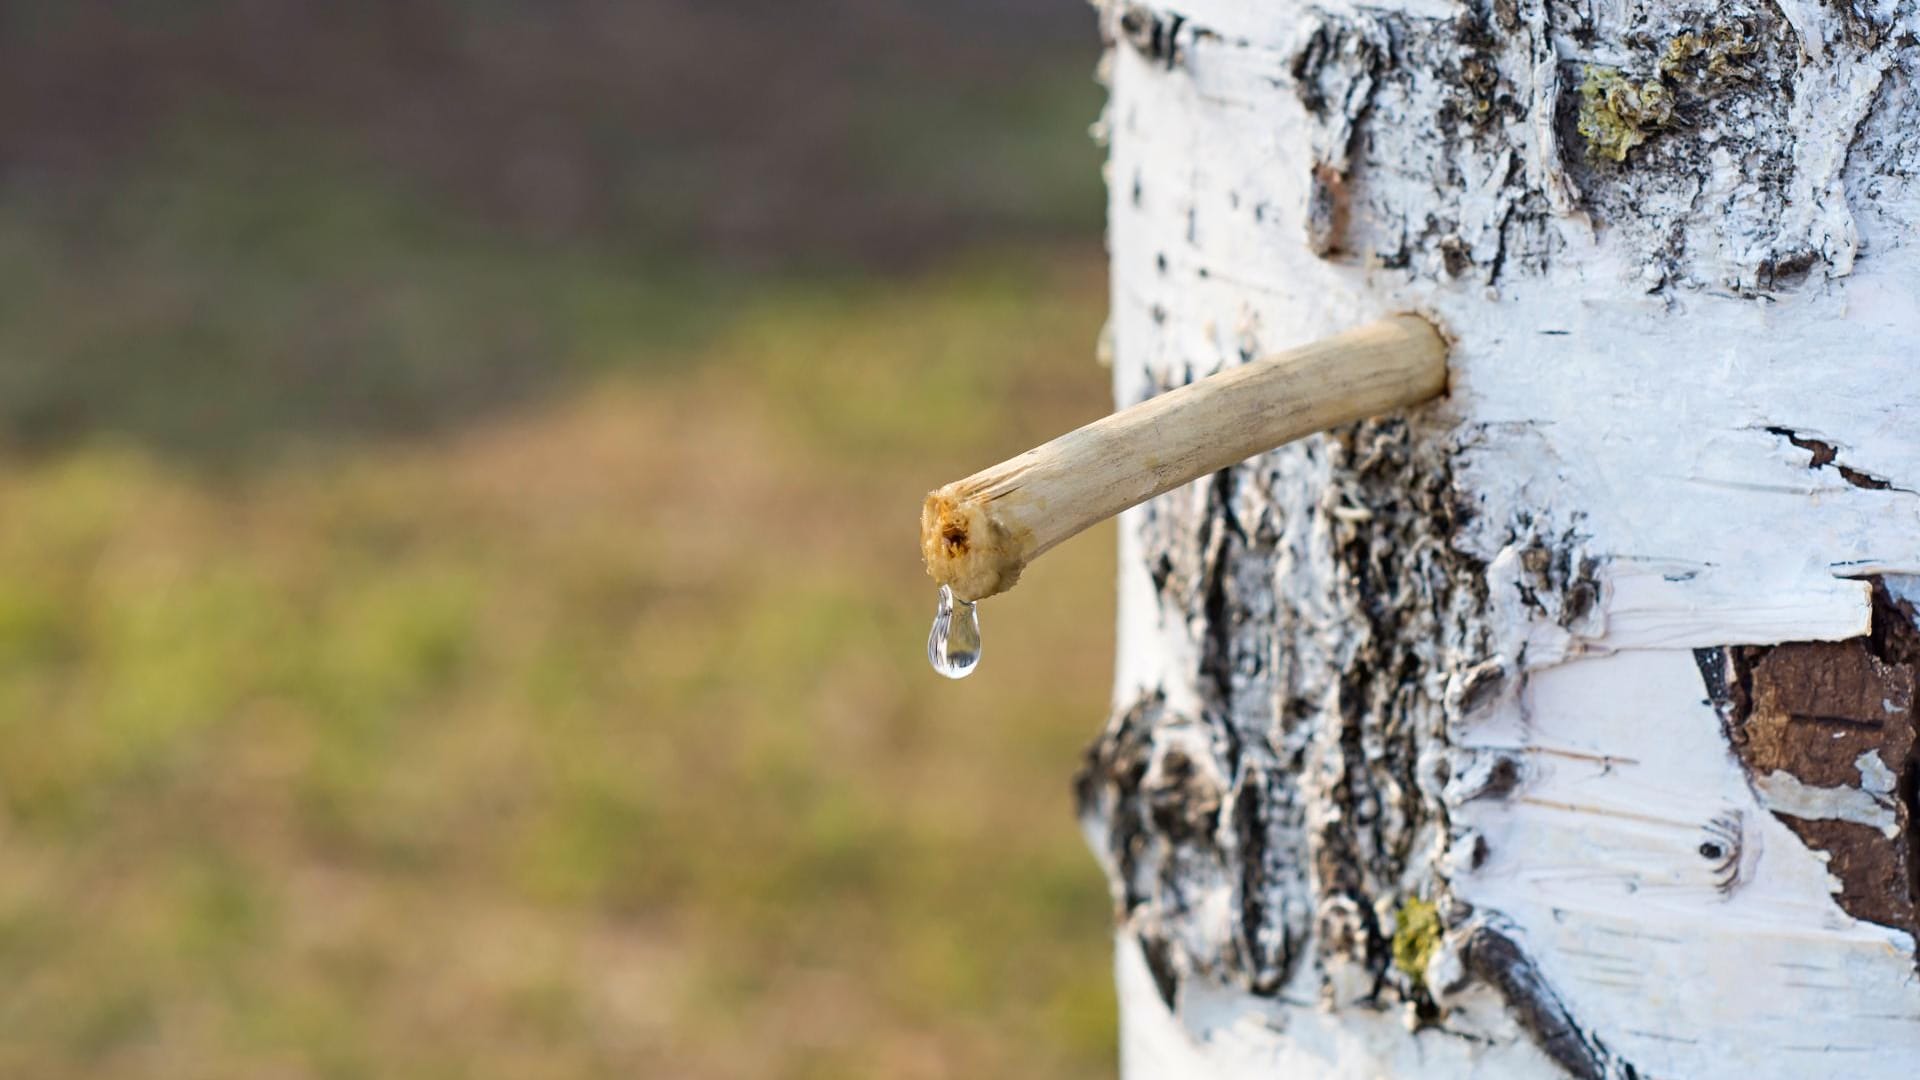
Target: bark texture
1568, 725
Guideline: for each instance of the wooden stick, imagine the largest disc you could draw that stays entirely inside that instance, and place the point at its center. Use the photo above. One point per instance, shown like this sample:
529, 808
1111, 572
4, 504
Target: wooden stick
977, 534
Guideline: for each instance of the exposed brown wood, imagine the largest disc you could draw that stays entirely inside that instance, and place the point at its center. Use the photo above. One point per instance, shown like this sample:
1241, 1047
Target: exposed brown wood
1839, 715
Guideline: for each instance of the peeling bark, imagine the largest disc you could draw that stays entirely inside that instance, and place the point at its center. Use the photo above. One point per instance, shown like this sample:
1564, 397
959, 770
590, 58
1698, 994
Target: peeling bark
1826, 732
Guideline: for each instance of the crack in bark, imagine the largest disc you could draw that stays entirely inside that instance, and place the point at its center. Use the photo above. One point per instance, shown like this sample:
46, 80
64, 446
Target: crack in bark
1824, 455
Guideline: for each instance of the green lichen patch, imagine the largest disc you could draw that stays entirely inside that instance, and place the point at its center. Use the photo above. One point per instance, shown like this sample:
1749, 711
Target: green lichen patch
1714, 56
1618, 114
1416, 934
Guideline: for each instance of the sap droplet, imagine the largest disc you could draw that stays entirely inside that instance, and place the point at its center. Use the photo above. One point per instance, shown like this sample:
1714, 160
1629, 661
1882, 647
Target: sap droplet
954, 646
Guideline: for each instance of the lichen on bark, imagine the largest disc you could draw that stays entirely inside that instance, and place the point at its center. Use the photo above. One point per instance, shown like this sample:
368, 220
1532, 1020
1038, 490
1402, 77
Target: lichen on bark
1618, 114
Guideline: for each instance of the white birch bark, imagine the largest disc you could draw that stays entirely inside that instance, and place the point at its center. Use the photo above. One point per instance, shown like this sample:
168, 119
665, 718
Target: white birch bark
1608, 656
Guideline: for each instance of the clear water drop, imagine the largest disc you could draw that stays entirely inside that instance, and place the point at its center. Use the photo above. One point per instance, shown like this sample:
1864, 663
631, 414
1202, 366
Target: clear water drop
954, 646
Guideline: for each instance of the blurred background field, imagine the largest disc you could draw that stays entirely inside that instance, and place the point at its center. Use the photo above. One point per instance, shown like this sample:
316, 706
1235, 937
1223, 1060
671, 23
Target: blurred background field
459, 606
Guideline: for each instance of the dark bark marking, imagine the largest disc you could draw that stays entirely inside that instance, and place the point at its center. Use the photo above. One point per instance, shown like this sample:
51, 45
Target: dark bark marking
1156, 36
1787, 267
1713, 672
1482, 98
1334, 76
1561, 581
1482, 685
1329, 209
1268, 944
1503, 777
1159, 959
1178, 814
1336, 62
1498, 961
1109, 778
1725, 844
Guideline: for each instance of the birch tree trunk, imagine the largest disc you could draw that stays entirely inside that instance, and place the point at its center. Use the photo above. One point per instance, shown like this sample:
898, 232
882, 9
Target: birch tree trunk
1567, 725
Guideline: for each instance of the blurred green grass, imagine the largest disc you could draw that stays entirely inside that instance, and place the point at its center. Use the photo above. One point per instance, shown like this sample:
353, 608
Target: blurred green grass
590, 735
